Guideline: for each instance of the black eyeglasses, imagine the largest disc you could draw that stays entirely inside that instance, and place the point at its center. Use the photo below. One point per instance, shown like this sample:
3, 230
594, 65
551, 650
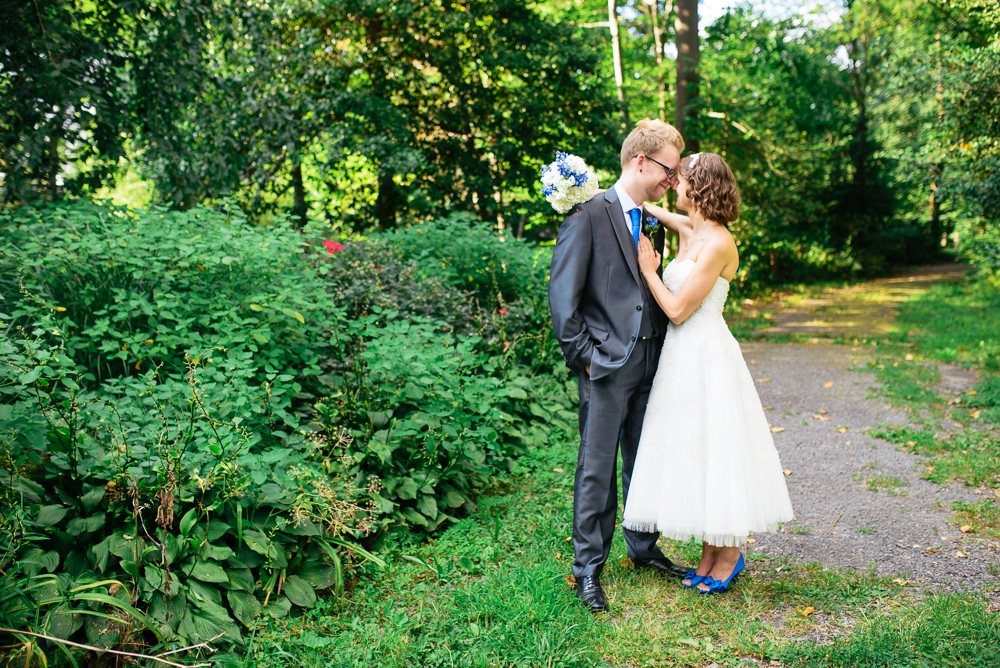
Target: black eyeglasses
671, 172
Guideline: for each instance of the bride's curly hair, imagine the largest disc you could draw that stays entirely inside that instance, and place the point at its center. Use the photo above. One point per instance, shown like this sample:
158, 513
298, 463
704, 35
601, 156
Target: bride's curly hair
711, 187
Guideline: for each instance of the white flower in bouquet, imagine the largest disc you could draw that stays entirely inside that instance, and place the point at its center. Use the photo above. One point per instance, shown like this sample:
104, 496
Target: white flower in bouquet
568, 182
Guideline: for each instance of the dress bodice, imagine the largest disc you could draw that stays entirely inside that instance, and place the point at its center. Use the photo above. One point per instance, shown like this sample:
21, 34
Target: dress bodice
676, 273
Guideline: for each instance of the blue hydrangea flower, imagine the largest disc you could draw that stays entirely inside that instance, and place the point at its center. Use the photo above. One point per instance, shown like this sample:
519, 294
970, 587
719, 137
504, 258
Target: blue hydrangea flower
651, 224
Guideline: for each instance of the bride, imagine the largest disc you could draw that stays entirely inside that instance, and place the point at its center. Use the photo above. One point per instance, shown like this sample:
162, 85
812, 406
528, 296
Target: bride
706, 465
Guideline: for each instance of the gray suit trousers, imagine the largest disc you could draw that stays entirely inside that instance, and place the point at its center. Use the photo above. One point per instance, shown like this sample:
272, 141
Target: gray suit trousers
611, 411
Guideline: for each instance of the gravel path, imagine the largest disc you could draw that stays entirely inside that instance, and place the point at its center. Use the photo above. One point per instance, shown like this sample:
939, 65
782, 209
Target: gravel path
842, 522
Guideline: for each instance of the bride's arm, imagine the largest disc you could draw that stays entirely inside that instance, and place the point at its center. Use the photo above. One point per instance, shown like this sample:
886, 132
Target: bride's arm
711, 261
673, 221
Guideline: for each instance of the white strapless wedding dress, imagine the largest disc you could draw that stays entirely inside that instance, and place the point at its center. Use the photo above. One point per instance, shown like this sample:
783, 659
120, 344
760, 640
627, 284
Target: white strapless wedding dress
706, 466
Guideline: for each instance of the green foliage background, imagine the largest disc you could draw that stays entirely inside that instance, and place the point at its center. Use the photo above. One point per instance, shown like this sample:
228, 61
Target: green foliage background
206, 416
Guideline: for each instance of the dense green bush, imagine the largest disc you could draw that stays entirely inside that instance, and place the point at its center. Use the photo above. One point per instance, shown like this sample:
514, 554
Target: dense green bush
134, 290
983, 251
166, 485
201, 418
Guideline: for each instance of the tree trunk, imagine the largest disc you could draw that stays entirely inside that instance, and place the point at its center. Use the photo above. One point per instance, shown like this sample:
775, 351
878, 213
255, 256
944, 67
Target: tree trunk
661, 81
616, 52
387, 204
936, 208
54, 163
688, 54
300, 208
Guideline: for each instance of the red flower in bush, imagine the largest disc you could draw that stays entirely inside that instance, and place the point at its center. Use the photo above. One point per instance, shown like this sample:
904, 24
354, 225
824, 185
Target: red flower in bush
332, 247
503, 311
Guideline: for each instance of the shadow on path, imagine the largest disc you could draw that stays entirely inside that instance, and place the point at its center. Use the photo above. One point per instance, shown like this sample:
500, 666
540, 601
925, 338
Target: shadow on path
857, 311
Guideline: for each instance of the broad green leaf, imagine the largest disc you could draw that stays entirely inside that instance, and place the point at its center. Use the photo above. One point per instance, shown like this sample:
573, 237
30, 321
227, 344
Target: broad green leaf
428, 506
241, 578
130, 567
167, 610
49, 561
414, 517
245, 606
188, 522
293, 314
319, 575
92, 496
208, 571
51, 515
256, 541
78, 525
299, 591
278, 607
407, 489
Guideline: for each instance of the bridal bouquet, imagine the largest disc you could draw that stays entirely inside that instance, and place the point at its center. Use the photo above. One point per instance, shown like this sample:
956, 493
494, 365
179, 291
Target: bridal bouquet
568, 182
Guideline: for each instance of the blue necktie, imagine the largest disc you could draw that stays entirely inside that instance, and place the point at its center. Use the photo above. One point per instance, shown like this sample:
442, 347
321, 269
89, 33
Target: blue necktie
635, 215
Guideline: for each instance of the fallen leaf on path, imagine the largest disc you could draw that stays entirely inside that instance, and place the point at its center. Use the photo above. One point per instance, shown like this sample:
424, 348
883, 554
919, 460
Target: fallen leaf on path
805, 612
909, 357
627, 563
820, 417
569, 538
558, 555
974, 414
780, 392
787, 471
961, 555
775, 663
751, 540
778, 569
972, 393
753, 361
821, 411
777, 429
901, 581
996, 493
764, 380
910, 444
558, 470
842, 430
828, 384
571, 581
967, 528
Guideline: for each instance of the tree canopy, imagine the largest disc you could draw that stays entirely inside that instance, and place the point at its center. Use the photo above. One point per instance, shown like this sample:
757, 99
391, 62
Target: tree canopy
857, 144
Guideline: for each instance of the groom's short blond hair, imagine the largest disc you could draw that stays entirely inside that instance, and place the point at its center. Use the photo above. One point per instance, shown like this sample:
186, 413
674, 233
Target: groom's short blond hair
648, 138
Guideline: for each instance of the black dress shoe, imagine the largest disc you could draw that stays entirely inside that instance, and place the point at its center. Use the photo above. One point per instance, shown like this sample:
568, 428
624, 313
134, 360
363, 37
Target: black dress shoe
663, 565
590, 592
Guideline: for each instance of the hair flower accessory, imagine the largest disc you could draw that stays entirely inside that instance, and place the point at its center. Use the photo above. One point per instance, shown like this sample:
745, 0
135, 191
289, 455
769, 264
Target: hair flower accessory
694, 160
650, 225
567, 182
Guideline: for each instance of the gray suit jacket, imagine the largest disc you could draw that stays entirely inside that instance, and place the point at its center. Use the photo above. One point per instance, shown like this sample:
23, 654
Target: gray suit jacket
594, 286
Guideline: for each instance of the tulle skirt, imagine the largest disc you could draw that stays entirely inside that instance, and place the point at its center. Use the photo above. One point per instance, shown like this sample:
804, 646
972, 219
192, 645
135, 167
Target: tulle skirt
706, 466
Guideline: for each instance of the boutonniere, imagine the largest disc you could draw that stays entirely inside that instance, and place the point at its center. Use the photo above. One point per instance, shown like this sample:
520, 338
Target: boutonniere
651, 225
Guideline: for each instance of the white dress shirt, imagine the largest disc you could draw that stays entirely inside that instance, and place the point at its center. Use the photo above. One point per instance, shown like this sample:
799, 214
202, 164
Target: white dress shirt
627, 205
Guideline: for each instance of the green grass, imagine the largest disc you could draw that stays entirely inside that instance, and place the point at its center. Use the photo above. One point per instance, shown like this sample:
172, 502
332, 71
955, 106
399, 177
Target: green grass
955, 322
941, 631
492, 591
983, 516
971, 456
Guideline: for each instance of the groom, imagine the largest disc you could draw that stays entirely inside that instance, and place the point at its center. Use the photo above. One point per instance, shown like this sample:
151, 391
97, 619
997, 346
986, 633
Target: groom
611, 330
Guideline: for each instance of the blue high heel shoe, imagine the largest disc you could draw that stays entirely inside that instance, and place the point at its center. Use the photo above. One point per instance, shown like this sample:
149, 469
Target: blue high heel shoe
719, 586
694, 578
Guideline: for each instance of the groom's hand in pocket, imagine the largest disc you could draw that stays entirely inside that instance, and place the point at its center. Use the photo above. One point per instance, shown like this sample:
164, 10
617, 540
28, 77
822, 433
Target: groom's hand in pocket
587, 369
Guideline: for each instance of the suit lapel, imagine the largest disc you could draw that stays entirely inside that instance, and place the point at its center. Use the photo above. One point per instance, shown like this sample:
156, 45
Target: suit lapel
617, 218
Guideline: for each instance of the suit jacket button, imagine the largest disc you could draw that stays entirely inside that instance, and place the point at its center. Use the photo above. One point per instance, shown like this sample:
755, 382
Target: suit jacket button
638, 308
633, 338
